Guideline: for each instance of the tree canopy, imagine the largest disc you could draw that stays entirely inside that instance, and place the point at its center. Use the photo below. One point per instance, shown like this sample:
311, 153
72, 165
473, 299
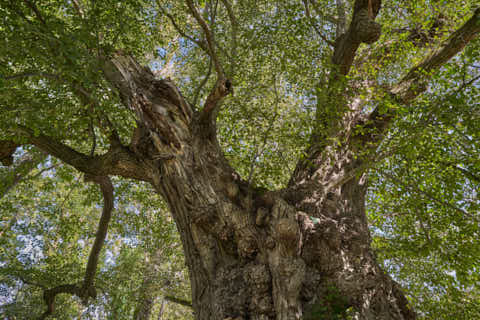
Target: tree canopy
424, 176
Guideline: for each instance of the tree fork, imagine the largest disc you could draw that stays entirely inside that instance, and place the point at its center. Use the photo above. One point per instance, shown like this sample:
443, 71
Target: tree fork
256, 254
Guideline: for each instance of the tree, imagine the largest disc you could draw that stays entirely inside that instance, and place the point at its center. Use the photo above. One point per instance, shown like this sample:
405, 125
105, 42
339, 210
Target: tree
268, 192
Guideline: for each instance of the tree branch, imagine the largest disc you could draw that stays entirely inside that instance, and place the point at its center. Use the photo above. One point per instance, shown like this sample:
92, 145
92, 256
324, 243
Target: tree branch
182, 302
107, 191
210, 38
416, 80
196, 96
13, 176
200, 43
30, 282
78, 8
455, 165
7, 149
34, 8
78, 89
119, 160
342, 20
472, 176
233, 40
319, 33
223, 86
50, 294
319, 13
362, 29
87, 289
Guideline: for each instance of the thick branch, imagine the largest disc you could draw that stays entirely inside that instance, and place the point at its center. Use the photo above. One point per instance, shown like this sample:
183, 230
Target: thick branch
119, 160
107, 192
162, 113
208, 116
7, 148
332, 105
362, 29
414, 82
222, 88
50, 294
383, 52
182, 302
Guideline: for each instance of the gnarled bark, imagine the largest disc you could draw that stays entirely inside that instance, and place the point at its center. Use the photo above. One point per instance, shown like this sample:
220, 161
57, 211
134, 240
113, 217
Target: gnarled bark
303, 252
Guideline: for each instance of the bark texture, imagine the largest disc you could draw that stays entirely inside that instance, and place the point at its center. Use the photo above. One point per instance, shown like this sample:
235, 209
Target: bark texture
302, 252
299, 253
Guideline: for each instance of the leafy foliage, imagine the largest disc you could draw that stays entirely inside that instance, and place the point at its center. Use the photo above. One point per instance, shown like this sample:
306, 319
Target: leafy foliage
423, 201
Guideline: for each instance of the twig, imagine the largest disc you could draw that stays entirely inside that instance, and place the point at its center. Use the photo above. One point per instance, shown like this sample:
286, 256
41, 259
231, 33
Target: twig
200, 43
314, 25
78, 8
202, 84
32, 6
427, 194
233, 40
210, 39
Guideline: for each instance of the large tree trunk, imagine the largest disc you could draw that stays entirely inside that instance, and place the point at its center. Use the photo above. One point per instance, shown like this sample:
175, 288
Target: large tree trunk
255, 255
299, 253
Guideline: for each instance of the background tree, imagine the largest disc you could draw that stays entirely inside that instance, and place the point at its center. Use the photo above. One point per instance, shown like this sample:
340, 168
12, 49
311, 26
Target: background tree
258, 124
